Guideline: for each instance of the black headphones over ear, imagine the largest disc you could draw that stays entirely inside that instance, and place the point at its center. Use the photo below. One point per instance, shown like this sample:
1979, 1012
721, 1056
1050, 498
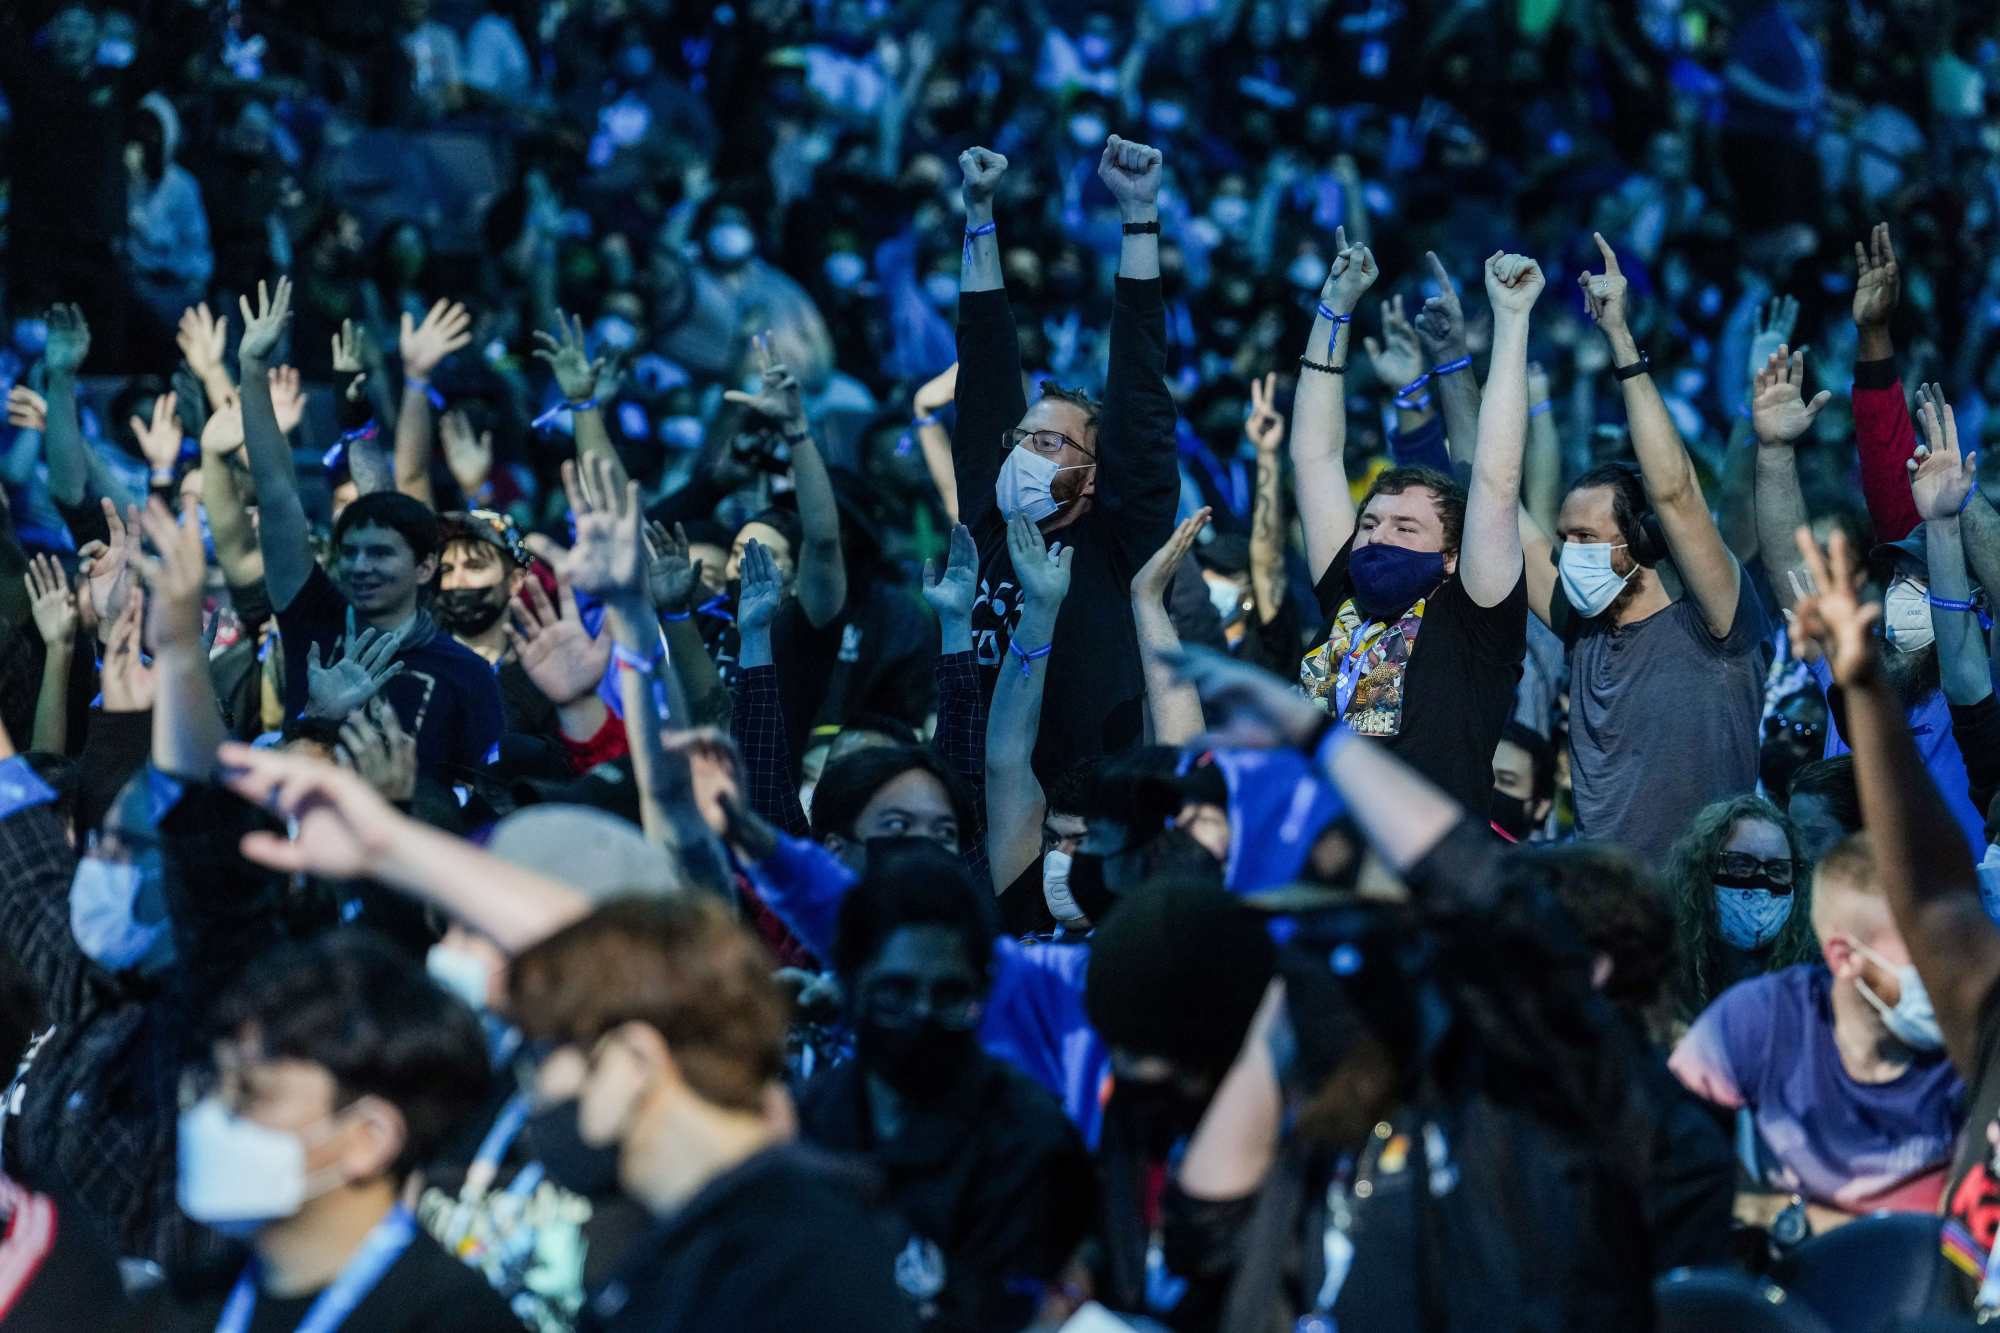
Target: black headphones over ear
1648, 544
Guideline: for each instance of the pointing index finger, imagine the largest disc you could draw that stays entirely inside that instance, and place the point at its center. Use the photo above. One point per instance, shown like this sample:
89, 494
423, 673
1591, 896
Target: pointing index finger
1604, 248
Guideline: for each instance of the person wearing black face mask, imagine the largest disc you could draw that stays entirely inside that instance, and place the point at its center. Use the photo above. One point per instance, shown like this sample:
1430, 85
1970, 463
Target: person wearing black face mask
1423, 586
960, 1138
481, 566
1524, 783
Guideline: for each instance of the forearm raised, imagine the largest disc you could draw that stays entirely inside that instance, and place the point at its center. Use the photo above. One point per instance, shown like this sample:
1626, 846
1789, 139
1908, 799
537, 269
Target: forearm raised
1319, 447
1267, 542
822, 573
51, 726
1965, 671
229, 523
415, 431
63, 441
1781, 511
187, 720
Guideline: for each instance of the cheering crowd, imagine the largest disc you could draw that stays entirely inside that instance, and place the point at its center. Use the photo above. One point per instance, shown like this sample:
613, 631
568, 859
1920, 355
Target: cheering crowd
871, 666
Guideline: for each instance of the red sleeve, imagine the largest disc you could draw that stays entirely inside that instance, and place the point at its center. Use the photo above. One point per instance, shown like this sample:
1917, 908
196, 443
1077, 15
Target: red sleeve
608, 744
1885, 436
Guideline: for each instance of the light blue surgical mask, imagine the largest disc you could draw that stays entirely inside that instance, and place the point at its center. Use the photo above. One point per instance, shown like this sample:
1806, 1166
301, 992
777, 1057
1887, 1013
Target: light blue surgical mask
1911, 1020
103, 916
1025, 482
1588, 579
1750, 918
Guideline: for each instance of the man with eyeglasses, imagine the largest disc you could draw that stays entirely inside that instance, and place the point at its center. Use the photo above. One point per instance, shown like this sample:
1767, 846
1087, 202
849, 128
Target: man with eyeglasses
1840, 1067
1102, 475
989, 1180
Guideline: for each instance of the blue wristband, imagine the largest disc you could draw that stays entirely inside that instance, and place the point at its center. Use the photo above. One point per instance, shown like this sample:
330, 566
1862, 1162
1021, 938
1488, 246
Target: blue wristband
1970, 492
547, 420
1541, 407
983, 229
430, 392
1410, 390
1952, 604
1028, 655
1450, 366
1419, 403
1328, 312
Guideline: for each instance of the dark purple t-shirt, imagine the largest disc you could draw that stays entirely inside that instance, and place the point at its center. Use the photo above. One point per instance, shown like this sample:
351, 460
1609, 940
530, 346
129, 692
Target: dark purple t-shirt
1767, 1044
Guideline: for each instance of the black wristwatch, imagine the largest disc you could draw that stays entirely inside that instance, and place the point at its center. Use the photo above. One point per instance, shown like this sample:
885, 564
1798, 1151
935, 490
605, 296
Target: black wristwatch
1642, 366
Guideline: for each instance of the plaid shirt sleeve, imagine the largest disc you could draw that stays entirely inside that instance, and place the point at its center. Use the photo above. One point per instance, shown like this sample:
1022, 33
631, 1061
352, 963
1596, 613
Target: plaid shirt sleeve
36, 866
961, 741
758, 724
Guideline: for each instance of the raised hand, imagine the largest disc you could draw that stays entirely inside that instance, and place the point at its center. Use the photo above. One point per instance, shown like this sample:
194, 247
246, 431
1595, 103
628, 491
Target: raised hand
69, 340
350, 349
982, 169
26, 409
1043, 573
1131, 171
159, 440
936, 393
202, 339
605, 561
1352, 272
1878, 281
1260, 710
952, 593
1440, 323
1150, 584
222, 434
1834, 614
671, 579
53, 602
1513, 283
761, 590
1398, 359
468, 453
374, 745
263, 326
554, 647
780, 401
127, 679
288, 400
446, 328
1778, 410
108, 564
364, 663
341, 828
1941, 481
1770, 329
1265, 426
564, 351
175, 578
1604, 293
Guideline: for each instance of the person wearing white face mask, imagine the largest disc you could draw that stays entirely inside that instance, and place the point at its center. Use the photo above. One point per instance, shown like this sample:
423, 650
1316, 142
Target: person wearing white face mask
1839, 1064
1665, 692
341, 1068
1101, 478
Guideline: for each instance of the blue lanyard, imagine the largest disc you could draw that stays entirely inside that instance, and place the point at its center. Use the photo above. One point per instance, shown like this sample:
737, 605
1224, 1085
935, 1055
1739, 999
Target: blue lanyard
380, 1249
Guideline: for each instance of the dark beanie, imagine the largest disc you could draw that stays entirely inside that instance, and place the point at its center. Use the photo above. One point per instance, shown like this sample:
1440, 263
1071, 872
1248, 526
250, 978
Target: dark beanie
1177, 970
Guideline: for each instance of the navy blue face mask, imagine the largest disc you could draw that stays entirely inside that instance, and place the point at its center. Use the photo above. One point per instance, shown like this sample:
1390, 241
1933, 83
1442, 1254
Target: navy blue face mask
1388, 580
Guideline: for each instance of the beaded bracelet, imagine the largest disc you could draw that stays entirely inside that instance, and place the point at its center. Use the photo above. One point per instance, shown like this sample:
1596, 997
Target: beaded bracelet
1323, 367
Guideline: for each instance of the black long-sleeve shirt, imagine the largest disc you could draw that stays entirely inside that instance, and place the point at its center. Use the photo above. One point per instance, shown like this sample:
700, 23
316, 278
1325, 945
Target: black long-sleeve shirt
1095, 698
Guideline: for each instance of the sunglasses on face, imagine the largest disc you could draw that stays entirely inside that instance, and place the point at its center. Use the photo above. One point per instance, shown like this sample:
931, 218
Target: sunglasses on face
1742, 865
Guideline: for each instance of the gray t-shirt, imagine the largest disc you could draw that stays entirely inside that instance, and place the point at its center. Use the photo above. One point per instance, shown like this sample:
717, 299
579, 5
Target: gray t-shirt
1662, 717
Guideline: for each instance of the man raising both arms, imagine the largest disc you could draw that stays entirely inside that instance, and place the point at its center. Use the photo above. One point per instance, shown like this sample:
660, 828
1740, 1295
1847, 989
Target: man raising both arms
1103, 476
385, 556
1422, 589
